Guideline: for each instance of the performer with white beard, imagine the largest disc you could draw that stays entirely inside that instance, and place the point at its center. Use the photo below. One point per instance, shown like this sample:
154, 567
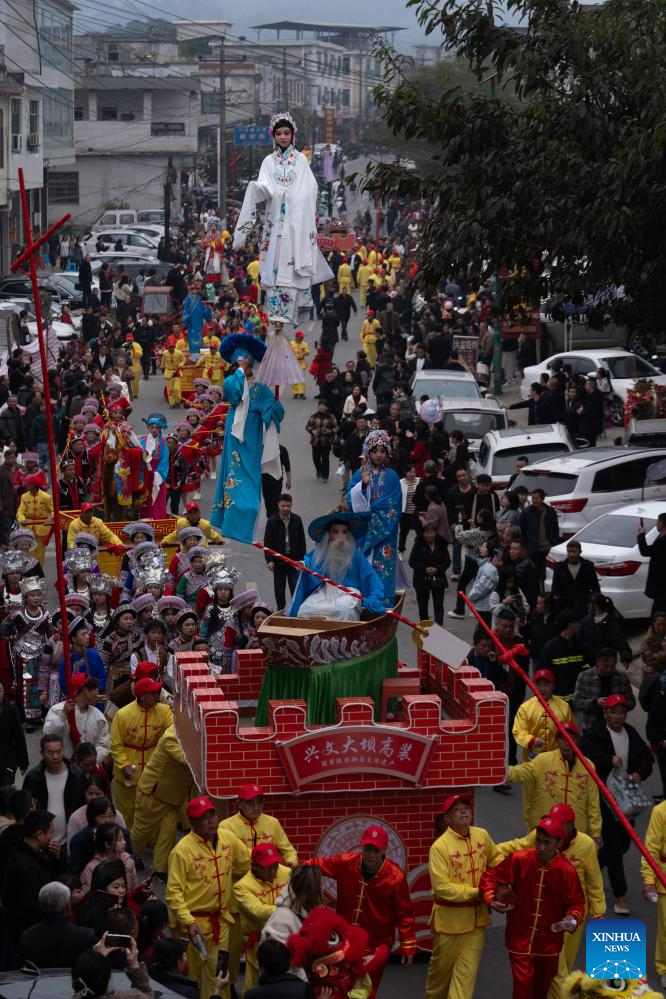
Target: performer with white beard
336, 556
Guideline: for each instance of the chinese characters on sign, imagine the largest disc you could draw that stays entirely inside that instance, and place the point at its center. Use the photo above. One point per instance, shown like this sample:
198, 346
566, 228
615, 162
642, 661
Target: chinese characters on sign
252, 135
360, 749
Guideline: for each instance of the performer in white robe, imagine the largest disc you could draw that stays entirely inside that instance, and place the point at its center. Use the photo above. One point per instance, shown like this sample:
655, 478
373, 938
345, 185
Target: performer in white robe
290, 260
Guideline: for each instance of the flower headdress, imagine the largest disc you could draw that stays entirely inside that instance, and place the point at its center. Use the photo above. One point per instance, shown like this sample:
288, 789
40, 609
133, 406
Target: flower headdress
377, 438
283, 116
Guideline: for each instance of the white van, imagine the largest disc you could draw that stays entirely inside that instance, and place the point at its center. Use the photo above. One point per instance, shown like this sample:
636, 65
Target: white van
115, 219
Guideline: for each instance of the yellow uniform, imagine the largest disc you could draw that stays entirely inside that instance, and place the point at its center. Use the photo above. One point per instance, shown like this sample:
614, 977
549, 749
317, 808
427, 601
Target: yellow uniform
252, 271
182, 345
394, 262
459, 914
301, 351
532, 722
363, 252
266, 829
172, 365
36, 512
198, 891
209, 340
136, 353
255, 901
345, 278
96, 527
369, 331
205, 526
557, 783
655, 841
164, 786
582, 852
134, 734
372, 259
213, 367
362, 277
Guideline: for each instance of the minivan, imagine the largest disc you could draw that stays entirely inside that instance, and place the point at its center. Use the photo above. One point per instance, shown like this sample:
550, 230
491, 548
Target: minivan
116, 219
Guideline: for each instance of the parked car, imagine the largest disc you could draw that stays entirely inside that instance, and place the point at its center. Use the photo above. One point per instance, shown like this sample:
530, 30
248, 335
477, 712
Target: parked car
592, 481
445, 385
623, 367
610, 542
63, 331
500, 448
130, 240
116, 219
115, 257
645, 433
152, 231
20, 286
474, 417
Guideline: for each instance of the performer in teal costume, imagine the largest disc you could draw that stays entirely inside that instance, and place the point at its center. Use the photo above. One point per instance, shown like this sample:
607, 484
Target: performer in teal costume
195, 312
375, 489
250, 440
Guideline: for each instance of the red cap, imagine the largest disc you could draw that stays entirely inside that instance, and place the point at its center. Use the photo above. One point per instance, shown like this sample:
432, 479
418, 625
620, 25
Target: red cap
299, 334
146, 686
129, 337
87, 506
375, 836
563, 813
453, 799
249, 791
198, 807
552, 827
35, 479
371, 312
171, 341
615, 700
544, 674
265, 854
79, 680
192, 506
570, 728
145, 669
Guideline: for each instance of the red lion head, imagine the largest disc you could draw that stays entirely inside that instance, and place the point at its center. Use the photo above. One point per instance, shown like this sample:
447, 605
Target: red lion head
332, 951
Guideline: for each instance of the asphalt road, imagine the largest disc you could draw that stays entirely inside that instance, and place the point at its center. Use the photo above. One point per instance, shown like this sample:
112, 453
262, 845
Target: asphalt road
499, 814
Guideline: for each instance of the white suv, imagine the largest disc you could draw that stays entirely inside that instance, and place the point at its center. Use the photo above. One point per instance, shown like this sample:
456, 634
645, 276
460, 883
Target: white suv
594, 480
500, 448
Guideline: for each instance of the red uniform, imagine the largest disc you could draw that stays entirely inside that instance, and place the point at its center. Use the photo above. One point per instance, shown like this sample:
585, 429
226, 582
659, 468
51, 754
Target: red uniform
544, 895
380, 905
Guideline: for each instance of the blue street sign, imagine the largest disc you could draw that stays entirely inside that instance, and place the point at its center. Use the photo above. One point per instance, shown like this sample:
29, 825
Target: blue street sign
252, 135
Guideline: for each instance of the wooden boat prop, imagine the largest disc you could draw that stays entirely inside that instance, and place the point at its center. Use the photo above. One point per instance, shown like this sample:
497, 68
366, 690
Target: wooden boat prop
308, 642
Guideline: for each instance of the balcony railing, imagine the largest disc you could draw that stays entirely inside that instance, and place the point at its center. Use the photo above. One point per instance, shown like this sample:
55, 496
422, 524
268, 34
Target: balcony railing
166, 128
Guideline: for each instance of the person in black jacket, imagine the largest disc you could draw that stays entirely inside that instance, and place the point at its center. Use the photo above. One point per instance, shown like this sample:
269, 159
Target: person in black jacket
284, 534
275, 981
591, 413
608, 744
55, 941
541, 531
169, 967
344, 306
652, 698
429, 559
655, 586
54, 764
574, 581
525, 571
29, 868
564, 655
602, 628
85, 280
13, 751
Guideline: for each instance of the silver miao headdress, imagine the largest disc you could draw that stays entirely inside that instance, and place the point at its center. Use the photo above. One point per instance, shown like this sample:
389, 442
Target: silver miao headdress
153, 574
13, 561
31, 585
223, 575
102, 583
79, 560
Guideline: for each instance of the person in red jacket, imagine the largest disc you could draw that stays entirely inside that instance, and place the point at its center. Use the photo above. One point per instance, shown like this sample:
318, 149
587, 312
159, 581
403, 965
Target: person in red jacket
373, 893
540, 891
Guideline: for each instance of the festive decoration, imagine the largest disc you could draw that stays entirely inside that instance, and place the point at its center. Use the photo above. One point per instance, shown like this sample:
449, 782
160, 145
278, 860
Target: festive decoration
430, 411
581, 985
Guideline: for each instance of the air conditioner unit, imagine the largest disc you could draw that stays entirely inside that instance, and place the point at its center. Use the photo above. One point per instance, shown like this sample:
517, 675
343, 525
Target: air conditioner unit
16, 143
33, 142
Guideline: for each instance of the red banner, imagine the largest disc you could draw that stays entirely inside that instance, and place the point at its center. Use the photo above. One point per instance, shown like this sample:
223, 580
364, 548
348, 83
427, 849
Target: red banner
356, 749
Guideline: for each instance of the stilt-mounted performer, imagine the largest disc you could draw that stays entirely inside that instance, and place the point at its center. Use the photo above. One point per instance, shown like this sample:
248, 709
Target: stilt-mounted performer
290, 260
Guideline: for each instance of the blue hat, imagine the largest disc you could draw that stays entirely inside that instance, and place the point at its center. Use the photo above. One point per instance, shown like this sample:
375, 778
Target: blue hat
156, 420
237, 345
356, 522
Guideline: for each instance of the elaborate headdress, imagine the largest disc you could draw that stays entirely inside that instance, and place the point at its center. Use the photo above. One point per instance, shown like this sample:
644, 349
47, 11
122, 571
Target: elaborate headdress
238, 345
152, 575
156, 420
377, 438
79, 560
282, 118
83, 538
139, 527
32, 584
102, 583
190, 532
73, 600
143, 602
13, 561
223, 575
196, 550
22, 534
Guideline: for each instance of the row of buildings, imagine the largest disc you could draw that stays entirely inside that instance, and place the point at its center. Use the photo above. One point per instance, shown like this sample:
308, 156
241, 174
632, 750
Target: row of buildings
93, 118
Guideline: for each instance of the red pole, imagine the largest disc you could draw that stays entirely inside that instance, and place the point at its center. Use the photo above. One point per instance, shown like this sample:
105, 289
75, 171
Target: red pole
507, 658
48, 411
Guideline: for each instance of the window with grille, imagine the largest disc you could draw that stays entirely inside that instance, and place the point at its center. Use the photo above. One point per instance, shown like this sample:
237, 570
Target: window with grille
63, 188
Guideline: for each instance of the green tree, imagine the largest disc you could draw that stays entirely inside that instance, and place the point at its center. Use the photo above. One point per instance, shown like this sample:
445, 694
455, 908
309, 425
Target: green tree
552, 170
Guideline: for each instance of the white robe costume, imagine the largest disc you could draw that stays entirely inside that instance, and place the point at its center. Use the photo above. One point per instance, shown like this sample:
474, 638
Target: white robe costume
290, 260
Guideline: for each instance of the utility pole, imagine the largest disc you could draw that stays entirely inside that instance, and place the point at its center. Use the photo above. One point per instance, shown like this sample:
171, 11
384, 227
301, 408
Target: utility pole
285, 82
167, 201
222, 151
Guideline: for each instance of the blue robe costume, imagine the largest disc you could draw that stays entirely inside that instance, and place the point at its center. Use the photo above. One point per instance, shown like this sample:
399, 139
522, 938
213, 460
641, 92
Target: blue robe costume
380, 542
359, 576
238, 491
195, 312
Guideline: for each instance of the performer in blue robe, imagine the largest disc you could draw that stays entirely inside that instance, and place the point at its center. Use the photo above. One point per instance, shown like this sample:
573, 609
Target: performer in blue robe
337, 557
251, 443
195, 312
375, 489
